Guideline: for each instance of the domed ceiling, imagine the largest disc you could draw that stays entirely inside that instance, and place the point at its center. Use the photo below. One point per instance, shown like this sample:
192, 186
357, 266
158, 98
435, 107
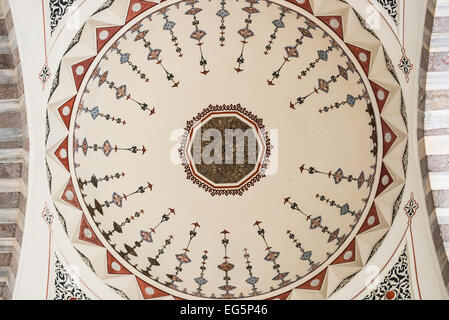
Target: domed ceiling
157, 194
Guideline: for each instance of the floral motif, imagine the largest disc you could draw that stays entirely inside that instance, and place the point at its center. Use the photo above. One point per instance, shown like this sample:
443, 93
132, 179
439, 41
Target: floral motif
396, 285
58, 8
411, 206
391, 6
405, 65
66, 287
48, 216
44, 74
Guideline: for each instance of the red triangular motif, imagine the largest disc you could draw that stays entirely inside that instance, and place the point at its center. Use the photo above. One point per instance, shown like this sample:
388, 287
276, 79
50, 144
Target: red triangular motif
305, 5
62, 153
385, 180
115, 267
389, 137
348, 255
381, 95
283, 296
371, 220
363, 56
104, 34
87, 234
69, 195
335, 23
315, 283
65, 111
79, 71
136, 7
148, 291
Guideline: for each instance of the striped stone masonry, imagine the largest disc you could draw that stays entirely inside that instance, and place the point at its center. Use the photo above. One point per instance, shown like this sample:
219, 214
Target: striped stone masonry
433, 126
433, 139
13, 153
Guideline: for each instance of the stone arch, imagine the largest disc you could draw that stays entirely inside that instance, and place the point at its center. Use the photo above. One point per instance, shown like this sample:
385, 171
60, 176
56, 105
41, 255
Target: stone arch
14, 149
433, 128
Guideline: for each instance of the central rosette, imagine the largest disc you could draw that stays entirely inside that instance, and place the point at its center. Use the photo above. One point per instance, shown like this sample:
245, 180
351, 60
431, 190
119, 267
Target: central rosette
225, 149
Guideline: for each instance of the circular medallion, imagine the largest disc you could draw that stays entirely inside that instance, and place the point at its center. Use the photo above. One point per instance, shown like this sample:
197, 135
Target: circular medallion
225, 150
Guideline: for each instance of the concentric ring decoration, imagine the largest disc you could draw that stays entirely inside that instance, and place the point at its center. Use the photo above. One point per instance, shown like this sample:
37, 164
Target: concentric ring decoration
79, 66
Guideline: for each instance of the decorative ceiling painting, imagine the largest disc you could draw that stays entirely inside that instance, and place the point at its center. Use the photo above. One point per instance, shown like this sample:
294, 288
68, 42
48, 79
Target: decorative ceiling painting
319, 93
225, 150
